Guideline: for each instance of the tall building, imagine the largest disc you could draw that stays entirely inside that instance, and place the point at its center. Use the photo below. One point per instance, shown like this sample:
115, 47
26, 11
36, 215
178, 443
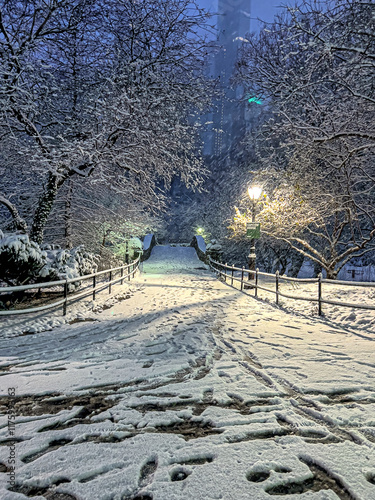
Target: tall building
228, 119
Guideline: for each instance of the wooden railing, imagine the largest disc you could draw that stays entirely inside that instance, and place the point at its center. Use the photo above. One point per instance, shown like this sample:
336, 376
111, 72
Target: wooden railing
123, 272
243, 274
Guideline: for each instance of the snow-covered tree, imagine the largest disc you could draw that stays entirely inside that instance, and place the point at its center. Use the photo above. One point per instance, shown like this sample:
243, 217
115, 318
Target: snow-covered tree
90, 213
105, 91
314, 67
314, 214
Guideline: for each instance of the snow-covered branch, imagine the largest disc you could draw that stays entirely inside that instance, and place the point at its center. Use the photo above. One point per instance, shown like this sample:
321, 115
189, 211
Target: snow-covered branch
20, 224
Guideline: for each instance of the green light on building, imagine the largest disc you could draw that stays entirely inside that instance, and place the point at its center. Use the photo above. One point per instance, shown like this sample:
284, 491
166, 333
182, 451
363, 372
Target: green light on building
255, 99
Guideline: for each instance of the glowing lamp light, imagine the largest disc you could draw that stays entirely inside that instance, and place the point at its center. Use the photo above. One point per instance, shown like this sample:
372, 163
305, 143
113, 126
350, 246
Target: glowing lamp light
254, 192
199, 230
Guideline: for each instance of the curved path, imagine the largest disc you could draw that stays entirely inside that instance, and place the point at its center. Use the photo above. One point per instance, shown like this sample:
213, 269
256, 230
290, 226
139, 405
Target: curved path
188, 389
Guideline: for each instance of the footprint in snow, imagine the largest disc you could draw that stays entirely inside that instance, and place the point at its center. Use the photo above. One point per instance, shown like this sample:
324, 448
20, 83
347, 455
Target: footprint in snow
181, 472
321, 479
147, 472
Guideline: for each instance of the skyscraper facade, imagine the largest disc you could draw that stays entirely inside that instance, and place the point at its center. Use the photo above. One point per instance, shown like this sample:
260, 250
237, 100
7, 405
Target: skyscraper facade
228, 119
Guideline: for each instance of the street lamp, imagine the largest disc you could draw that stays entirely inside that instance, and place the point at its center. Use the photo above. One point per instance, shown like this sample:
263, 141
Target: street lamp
253, 231
254, 192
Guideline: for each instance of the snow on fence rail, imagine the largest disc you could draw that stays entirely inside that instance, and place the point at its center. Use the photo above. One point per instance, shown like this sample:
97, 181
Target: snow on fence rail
248, 283
129, 269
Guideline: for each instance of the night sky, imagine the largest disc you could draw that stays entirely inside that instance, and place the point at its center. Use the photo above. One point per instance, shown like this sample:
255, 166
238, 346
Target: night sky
263, 9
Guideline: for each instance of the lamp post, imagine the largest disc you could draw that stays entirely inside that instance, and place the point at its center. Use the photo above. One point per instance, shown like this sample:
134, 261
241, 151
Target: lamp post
254, 195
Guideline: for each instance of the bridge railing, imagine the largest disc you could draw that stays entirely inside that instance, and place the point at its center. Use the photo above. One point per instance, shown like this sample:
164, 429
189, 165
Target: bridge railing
242, 277
123, 272
200, 247
149, 242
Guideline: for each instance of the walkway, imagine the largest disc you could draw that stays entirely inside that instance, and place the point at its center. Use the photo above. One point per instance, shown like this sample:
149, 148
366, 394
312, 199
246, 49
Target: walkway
189, 389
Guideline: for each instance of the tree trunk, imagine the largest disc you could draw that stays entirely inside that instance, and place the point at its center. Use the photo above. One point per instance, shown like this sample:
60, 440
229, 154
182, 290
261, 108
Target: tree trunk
44, 208
317, 268
296, 265
283, 264
331, 273
68, 216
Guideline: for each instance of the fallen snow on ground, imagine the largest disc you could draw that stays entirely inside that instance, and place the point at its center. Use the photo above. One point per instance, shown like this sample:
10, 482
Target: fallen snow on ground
189, 389
347, 317
82, 310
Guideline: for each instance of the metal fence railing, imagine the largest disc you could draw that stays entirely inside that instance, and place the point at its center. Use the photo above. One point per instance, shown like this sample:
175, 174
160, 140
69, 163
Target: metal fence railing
246, 283
126, 271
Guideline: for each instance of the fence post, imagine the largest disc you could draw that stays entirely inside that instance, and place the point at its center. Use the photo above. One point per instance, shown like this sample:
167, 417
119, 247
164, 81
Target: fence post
225, 268
256, 282
122, 274
277, 286
320, 294
231, 281
128, 271
65, 296
242, 273
110, 284
93, 287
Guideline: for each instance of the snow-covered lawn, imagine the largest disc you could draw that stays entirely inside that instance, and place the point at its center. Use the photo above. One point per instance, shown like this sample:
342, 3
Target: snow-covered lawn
189, 389
347, 317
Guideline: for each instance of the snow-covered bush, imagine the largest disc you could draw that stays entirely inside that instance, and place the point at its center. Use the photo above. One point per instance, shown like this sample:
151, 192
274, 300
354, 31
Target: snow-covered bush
62, 264
123, 248
21, 260
214, 250
24, 261
135, 248
214, 246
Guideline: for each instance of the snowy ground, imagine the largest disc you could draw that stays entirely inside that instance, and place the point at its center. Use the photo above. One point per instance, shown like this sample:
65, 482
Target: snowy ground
188, 389
347, 317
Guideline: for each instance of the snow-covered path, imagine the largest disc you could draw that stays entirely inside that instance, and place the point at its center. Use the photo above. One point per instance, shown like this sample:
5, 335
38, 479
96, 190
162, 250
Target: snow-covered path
189, 389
